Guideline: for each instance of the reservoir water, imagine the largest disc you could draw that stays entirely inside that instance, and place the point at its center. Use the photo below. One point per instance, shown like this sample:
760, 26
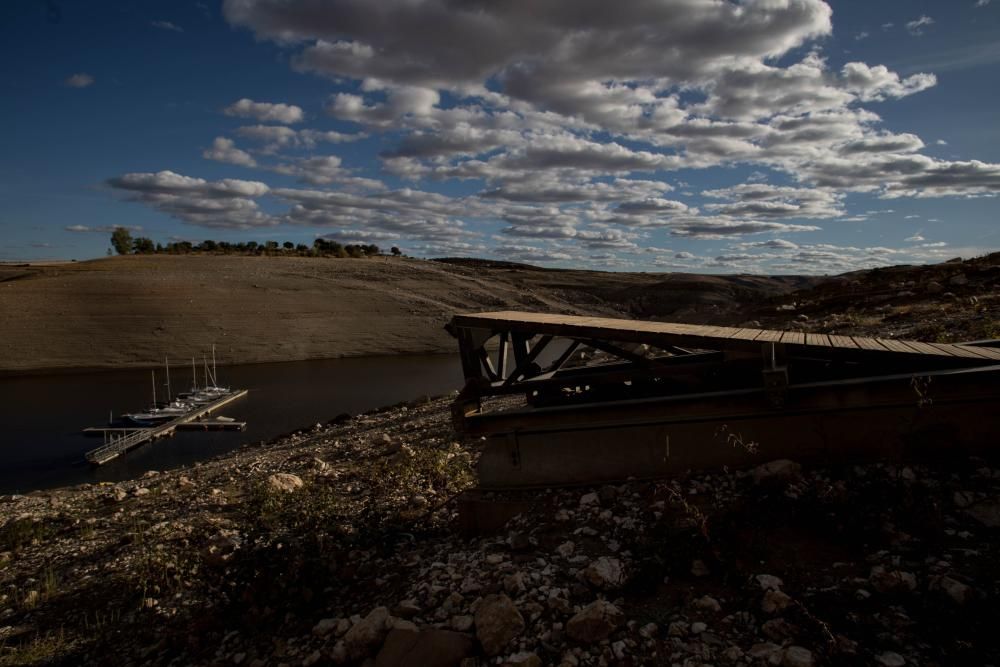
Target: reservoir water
41, 417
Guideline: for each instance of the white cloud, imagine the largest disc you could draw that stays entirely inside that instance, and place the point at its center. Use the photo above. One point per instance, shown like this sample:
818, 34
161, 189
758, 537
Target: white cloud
79, 80
266, 112
916, 26
228, 203
436, 43
981, 3
277, 137
167, 25
525, 253
573, 124
878, 83
225, 150
102, 229
760, 200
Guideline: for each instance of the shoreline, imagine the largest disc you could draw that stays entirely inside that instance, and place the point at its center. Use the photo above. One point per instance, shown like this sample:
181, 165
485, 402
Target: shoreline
86, 370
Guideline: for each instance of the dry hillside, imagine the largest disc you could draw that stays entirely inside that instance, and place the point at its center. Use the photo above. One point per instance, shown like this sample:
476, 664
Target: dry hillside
131, 311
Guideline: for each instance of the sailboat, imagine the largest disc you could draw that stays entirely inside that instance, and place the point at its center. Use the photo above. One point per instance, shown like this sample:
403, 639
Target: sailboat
172, 409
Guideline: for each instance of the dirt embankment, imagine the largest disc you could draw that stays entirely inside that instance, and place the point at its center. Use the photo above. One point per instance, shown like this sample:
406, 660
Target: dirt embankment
131, 311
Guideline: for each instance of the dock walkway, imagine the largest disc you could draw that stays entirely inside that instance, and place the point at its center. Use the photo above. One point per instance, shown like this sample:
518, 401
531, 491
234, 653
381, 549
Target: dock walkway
120, 445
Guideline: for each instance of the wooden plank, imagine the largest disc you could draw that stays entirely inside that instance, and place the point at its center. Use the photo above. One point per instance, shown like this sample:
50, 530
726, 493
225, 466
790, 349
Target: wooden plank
986, 352
842, 342
924, 348
746, 334
895, 345
793, 338
817, 340
769, 336
869, 344
957, 350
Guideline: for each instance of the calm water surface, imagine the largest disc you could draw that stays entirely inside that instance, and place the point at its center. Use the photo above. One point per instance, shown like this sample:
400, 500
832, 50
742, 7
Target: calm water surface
41, 417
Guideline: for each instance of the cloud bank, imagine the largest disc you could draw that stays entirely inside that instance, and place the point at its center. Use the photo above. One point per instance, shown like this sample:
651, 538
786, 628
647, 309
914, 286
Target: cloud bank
569, 125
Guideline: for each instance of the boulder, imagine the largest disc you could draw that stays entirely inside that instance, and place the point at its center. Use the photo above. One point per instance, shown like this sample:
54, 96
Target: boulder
774, 601
367, 634
797, 656
958, 279
954, 589
888, 581
325, 627
523, 659
430, 647
708, 603
284, 482
890, 659
605, 573
497, 622
595, 622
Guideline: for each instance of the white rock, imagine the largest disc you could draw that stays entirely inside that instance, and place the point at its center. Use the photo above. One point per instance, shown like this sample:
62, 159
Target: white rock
284, 482
958, 592
648, 631
708, 603
325, 627
595, 622
367, 634
890, 659
797, 656
774, 601
605, 573
769, 582
566, 549
461, 623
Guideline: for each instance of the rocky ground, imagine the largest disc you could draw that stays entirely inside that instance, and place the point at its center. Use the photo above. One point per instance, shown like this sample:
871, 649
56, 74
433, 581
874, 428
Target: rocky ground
341, 544
943, 303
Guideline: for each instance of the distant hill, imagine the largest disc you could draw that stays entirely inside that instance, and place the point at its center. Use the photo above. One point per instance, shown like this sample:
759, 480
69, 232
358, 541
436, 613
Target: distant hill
130, 311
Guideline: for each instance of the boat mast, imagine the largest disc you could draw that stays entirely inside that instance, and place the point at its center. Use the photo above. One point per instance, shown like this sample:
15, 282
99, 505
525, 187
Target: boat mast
166, 362
194, 376
204, 361
215, 376
154, 388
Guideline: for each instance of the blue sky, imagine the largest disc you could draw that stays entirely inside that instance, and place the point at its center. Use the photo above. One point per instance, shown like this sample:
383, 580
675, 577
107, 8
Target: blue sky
698, 135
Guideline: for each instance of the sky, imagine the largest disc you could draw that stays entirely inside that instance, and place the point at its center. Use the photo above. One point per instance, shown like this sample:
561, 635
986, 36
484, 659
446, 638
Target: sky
716, 136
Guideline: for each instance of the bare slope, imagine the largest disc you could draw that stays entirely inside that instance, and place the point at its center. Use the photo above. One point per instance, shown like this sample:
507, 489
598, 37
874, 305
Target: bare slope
131, 311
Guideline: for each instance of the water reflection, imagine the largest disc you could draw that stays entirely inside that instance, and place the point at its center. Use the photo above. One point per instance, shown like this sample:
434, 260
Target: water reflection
41, 417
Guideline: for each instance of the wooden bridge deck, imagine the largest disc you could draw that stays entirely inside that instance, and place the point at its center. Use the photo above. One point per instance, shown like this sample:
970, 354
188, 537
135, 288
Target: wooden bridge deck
708, 337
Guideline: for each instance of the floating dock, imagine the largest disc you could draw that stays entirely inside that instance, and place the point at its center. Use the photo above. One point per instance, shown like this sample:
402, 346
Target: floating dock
197, 425
125, 439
